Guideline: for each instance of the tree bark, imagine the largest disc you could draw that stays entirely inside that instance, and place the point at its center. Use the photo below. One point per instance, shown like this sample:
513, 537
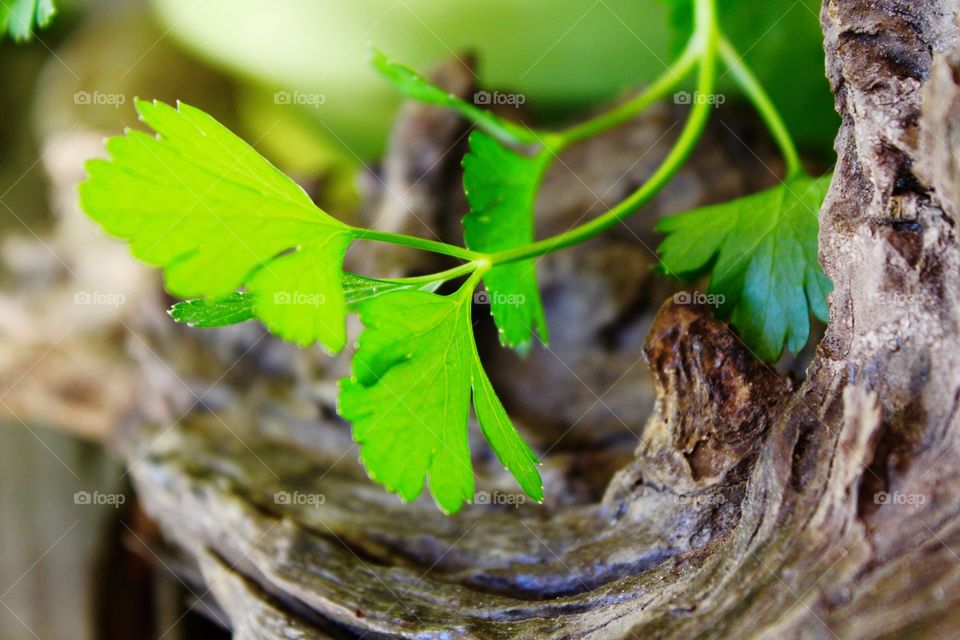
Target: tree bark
753, 506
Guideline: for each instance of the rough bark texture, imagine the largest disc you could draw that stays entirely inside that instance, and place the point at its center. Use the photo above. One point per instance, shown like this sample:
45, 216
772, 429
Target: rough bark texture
752, 507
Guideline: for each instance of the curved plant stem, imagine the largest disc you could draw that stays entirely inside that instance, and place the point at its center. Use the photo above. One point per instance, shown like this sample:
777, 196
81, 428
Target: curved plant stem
464, 269
702, 51
707, 31
554, 143
659, 89
480, 269
512, 132
764, 105
500, 128
416, 243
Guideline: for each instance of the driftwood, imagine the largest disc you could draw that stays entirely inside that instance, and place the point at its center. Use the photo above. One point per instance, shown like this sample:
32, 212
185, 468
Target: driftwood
753, 506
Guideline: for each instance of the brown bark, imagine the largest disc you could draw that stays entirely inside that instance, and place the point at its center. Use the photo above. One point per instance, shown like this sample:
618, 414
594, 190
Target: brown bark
752, 507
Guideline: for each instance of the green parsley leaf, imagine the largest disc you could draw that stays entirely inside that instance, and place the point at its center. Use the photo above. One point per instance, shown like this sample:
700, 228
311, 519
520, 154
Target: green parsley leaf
409, 399
205, 312
239, 307
359, 289
19, 17
299, 295
499, 431
762, 254
416, 87
216, 215
501, 187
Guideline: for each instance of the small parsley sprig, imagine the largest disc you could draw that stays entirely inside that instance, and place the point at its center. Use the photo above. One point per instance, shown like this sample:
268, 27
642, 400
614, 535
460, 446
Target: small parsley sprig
239, 240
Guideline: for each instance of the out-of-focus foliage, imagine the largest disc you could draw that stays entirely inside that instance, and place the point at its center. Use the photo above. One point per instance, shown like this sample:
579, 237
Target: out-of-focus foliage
782, 41
20, 17
761, 251
561, 54
301, 148
109, 56
22, 185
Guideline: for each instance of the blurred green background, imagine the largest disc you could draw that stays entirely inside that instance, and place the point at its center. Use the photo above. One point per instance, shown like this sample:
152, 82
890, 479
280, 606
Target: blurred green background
293, 76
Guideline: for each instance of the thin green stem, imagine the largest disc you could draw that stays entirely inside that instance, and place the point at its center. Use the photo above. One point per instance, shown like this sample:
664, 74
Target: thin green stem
693, 129
416, 243
450, 274
500, 128
510, 132
702, 51
659, 89
755, 92
480, 269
